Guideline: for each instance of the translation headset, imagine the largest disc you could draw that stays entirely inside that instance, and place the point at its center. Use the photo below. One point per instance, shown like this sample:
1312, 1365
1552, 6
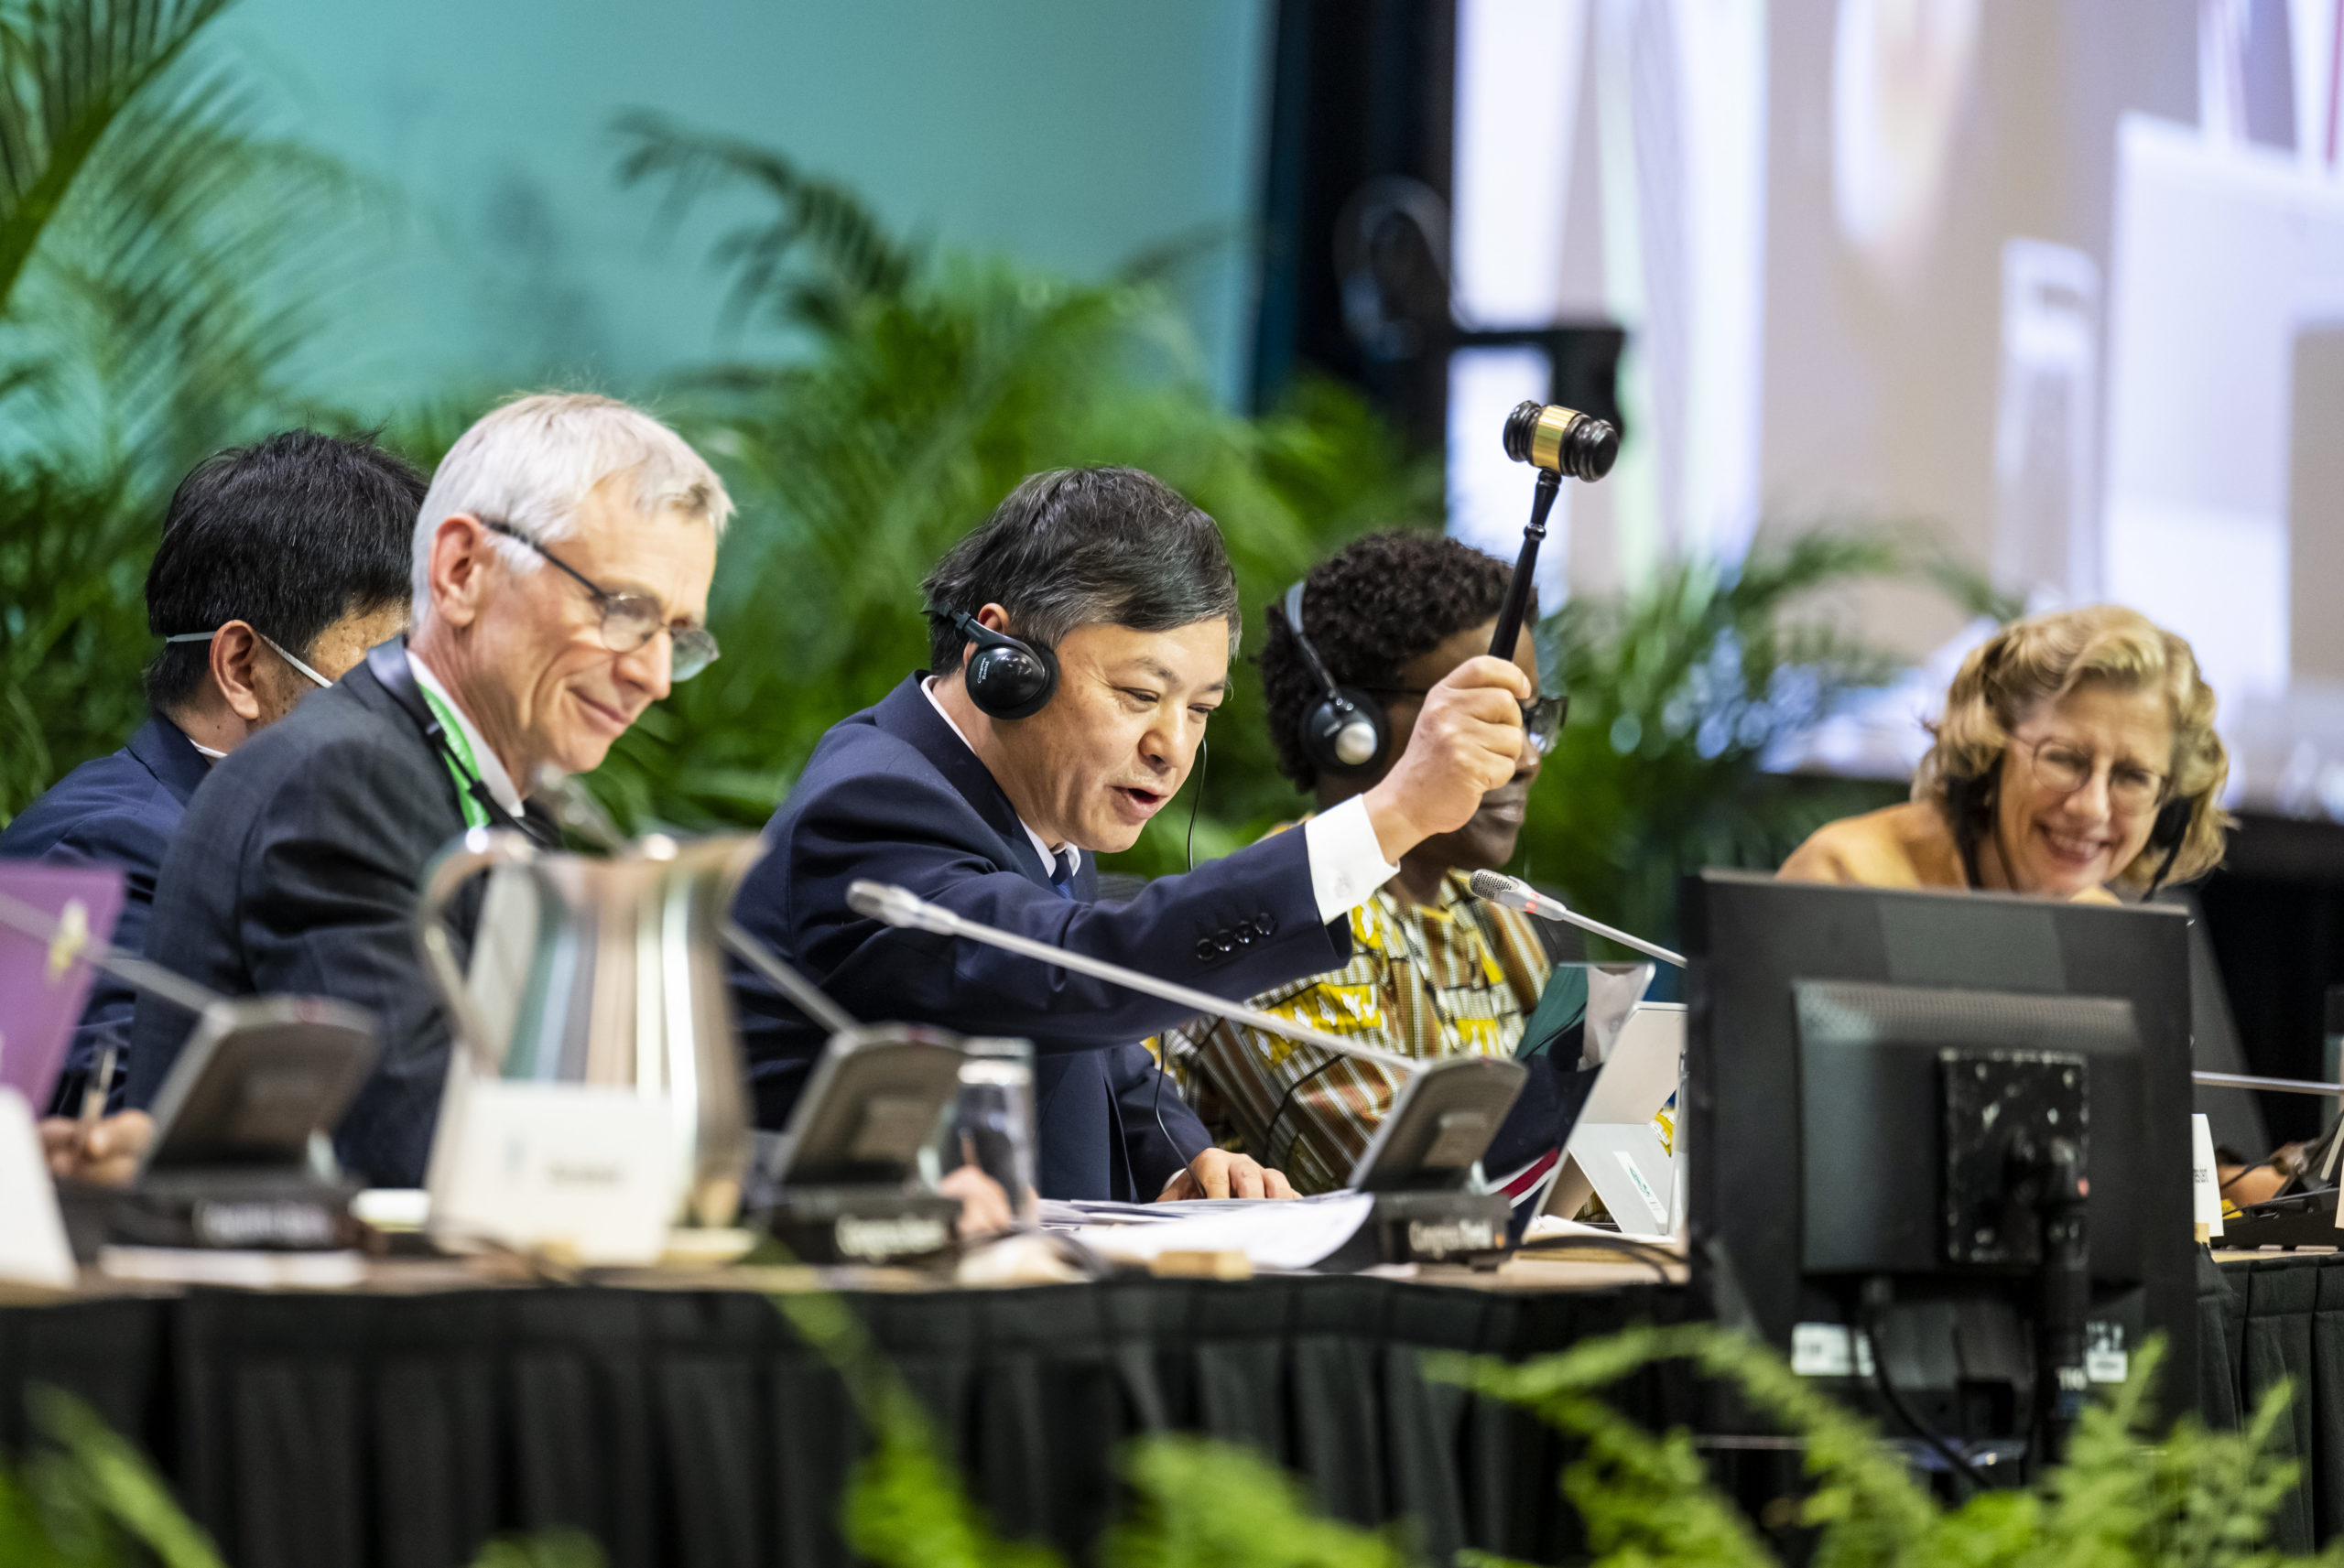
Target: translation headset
1973, 803
1006, 678
1344, 731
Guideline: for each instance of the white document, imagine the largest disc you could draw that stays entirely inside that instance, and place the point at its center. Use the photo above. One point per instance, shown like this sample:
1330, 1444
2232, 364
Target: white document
2205, 1179
33, 1248
234, 1269
585, 1169
1282, 1234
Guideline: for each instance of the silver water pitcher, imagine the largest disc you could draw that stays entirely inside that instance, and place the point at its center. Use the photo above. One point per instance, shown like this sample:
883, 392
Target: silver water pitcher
605, 971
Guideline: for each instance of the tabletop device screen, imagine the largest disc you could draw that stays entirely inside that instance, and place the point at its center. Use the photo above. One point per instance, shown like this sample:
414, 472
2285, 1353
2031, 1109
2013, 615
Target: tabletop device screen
257, 1077
1439, 1125
44, 984
1838, 1040
876, 1098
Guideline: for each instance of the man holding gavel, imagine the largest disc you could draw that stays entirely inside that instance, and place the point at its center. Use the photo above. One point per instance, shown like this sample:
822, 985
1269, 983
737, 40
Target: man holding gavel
1081, 640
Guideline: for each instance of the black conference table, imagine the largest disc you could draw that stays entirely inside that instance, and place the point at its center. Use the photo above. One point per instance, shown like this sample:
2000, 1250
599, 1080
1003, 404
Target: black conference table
400, 1426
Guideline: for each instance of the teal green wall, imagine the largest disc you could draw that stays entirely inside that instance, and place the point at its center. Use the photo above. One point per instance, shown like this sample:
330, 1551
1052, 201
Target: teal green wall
1070, 134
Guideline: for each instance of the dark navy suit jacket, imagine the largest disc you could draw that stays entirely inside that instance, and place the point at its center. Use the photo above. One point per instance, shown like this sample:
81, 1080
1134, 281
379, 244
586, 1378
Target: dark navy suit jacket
893, 794
121, 810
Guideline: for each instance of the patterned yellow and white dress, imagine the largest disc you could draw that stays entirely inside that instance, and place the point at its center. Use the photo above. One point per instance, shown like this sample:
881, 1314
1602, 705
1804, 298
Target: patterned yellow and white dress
1454, 976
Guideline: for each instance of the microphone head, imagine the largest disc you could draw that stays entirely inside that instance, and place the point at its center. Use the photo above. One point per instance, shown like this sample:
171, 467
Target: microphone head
1498, 888
894, 906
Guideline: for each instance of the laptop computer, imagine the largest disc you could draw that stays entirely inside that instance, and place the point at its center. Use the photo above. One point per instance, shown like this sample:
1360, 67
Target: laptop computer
45, 981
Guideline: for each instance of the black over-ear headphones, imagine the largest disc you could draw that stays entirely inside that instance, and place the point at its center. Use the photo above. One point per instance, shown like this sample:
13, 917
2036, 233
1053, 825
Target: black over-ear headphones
1344, 732
1006, 678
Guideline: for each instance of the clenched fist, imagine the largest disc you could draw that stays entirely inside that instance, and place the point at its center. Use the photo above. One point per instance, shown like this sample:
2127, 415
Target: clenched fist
1467, 739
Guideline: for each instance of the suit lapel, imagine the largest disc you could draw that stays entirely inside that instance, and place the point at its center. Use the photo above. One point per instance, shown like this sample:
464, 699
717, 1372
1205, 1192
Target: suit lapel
906, 714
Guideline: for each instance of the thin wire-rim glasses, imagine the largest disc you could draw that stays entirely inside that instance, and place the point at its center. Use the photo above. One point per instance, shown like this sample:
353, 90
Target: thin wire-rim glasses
630, 620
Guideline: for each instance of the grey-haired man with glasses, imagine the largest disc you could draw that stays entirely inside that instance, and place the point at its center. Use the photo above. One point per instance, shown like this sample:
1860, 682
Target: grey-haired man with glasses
561, 568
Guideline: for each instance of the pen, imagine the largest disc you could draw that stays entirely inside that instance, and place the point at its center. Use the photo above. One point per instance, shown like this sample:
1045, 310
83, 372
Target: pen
94, 1098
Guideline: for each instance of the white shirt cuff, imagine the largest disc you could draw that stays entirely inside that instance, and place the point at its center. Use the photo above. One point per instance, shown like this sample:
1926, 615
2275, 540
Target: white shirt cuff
1347, 864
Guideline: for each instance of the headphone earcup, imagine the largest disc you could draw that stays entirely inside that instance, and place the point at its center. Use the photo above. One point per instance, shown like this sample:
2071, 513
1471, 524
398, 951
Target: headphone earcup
2173, 821
1346, 733
1011, 679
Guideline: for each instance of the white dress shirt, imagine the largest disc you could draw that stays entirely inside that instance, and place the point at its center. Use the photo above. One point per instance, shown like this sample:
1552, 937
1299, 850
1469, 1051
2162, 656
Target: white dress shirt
492, 771
1347, 864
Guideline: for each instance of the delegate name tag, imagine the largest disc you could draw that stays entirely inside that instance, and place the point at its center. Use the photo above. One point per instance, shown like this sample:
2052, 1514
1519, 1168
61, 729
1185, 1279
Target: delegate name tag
33, 1249
2205, 1181
584, 1171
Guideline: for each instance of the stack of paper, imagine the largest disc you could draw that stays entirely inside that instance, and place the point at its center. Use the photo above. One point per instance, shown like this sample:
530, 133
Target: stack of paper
1272, 1235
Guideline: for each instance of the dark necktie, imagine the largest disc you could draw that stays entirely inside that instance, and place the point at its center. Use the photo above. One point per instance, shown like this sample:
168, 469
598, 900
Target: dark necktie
1062, 877
537, 821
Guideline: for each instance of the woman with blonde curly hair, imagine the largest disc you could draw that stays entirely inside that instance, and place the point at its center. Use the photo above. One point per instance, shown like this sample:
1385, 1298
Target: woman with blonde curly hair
2077, 749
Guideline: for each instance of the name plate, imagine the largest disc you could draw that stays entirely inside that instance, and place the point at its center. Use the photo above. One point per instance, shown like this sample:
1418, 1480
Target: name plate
2205, 1179
32, 1232
584, 1171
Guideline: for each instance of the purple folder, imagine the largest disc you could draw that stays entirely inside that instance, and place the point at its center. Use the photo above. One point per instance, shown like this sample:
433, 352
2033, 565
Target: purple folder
43, 984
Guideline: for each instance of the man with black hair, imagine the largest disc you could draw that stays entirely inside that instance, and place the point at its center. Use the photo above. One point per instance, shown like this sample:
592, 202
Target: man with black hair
1432, 971
280, 564
1080, 640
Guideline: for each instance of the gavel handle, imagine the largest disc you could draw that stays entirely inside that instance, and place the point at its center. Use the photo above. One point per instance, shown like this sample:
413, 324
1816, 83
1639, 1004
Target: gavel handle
1526, 569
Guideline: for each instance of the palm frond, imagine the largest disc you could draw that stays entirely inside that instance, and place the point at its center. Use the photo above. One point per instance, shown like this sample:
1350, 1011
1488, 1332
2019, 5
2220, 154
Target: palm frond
855, 256
162, 260
180, 280
918, 407
67, 71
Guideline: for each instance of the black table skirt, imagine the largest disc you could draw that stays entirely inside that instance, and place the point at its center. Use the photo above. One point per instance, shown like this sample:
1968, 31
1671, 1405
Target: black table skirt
2283, 1317
695, 1428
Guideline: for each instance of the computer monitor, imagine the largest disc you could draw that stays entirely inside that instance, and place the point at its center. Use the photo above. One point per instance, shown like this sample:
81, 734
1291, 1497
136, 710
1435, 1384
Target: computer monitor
1843, 1045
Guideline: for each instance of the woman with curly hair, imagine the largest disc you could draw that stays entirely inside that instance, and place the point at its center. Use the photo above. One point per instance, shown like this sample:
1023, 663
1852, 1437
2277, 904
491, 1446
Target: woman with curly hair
2077, 752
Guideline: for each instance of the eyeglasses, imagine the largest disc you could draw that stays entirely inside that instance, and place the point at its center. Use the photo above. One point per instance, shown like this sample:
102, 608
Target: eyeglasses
2066, 768
272, 642
1542, 718
630, 620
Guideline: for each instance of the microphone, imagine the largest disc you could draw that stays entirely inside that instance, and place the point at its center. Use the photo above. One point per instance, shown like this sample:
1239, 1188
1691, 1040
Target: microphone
896, 906
1514, 893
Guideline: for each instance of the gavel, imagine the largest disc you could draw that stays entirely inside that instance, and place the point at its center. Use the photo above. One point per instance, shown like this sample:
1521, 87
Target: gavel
1556, 441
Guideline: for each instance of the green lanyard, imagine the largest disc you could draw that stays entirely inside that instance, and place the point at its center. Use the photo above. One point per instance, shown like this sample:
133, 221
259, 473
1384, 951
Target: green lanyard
475, 814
